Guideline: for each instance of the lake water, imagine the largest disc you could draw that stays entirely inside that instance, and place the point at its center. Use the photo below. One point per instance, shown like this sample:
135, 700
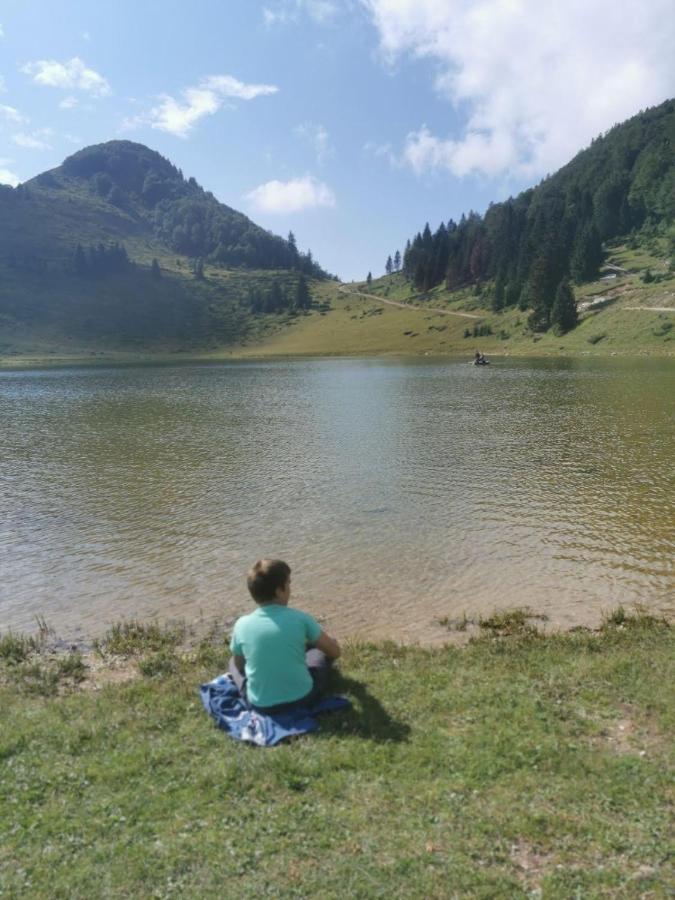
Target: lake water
400, 492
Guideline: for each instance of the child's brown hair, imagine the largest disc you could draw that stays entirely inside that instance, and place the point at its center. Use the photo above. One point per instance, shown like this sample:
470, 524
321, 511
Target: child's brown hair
265, 577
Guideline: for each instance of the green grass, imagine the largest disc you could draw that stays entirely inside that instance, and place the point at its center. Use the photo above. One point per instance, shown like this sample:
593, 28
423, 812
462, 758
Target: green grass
517, 766
219, 326
132, 637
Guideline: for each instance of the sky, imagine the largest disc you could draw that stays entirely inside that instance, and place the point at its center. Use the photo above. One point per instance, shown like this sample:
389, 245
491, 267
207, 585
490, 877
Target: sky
350, 122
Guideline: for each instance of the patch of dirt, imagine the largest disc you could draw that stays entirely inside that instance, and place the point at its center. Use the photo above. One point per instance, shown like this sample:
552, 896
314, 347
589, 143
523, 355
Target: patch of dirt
532, 863
628, 734
109, 670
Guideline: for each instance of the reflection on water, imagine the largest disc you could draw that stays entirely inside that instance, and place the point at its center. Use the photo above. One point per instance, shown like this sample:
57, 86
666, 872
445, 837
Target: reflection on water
399, 492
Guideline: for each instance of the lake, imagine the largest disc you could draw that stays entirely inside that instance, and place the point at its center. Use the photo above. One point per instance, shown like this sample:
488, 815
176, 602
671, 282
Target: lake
401, 492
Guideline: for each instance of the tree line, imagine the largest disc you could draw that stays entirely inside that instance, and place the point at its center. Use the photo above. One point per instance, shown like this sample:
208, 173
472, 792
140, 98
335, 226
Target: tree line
531, 246
281, 298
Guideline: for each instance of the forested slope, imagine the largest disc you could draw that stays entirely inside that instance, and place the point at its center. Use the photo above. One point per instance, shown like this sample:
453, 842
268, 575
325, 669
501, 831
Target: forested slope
622, 185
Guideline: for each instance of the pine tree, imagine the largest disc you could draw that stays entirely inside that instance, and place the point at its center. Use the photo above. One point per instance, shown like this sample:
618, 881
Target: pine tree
369, 279
303, 298
397, 261
586, 255
389, 267
155, 270
406, 259
499, 296
564, 310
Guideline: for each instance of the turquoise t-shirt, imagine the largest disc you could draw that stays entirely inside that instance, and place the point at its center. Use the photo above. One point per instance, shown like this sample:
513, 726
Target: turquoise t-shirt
273, 640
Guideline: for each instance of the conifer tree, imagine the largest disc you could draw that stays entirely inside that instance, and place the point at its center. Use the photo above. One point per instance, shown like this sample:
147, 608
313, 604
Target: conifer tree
586, 254
303, 299
499, 296
389, 266
564, 315
397, 262
369, 279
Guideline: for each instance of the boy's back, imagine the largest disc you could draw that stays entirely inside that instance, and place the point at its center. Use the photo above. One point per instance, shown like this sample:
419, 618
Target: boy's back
273, 639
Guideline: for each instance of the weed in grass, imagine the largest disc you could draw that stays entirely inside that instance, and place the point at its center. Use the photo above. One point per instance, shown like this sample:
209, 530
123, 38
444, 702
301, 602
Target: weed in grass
133, 638
663, 329
15, 648
36, 678
213, 650
45, 631
511, 621
72, 666
165, 662
460, 624
639, 618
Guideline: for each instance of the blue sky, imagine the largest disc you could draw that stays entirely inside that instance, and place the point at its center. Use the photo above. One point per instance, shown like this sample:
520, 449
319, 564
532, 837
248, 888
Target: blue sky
351, 122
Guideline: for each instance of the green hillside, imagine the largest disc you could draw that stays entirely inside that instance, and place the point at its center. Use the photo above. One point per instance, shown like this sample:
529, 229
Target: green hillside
617, 315
527, 248
116, 252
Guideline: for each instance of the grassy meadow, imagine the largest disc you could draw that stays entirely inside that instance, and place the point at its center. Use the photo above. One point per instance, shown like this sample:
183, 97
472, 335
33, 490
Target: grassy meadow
343, 321
442, 323
519, 765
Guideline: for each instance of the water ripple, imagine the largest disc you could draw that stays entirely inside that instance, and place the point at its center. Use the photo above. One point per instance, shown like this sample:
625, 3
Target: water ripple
399, 492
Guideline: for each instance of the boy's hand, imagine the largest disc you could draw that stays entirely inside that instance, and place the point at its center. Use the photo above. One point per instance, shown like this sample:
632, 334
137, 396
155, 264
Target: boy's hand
328, 645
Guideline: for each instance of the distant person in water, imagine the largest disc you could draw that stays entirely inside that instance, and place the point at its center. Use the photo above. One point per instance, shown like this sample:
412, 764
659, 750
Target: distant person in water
280, 656
479, 359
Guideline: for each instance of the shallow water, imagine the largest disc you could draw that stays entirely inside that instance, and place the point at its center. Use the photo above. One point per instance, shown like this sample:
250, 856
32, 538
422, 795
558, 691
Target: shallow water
400, 492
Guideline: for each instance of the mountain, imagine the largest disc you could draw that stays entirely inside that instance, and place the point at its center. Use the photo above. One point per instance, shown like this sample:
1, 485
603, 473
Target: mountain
116, 247
622, 185
125, 191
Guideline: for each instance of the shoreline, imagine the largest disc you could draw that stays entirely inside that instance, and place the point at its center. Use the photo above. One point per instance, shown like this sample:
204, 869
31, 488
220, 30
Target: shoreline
102, 360
128, 639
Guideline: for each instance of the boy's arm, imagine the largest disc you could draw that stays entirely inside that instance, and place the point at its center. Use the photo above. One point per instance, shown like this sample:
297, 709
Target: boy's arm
239, 662
328, 645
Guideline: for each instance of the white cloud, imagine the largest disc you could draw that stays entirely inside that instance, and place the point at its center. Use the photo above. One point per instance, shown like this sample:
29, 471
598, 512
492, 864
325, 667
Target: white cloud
10, 114
291, 196
318, 138
6, 175
537, 80
71, 75
9, 177
69, 102
284, 11
34, 141
178, 117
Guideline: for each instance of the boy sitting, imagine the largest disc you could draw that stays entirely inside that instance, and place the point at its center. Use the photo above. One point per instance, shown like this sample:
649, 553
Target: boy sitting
280, 656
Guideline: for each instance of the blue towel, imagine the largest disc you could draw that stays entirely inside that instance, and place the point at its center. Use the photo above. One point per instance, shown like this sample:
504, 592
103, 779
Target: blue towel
223, 701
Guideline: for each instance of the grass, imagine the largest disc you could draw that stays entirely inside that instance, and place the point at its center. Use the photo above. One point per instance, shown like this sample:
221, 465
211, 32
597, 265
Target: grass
521, 765
356, 325
132, 637
340, 324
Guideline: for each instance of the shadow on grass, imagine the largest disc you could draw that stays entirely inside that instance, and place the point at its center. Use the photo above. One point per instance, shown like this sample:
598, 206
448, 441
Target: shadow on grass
367, 718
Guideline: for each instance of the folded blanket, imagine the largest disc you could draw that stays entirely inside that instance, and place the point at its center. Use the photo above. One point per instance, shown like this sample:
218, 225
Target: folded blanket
223, 701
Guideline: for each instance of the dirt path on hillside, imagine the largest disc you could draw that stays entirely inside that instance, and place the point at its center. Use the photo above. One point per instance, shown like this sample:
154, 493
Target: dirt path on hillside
652, 308
436, 309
